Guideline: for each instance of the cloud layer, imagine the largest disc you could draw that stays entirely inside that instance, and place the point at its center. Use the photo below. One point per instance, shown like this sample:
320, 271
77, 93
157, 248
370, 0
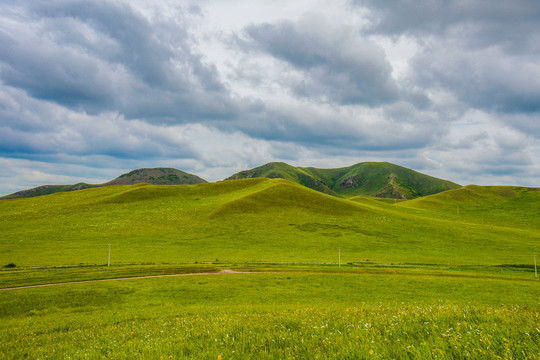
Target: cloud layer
91, 89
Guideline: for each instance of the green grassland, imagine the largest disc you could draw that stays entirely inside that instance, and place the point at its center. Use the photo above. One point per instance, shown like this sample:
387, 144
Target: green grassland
279, 315
440, 277
266, 220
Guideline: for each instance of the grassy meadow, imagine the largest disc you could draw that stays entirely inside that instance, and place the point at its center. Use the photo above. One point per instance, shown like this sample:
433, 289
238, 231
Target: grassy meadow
284, 314
263, 220
442, 277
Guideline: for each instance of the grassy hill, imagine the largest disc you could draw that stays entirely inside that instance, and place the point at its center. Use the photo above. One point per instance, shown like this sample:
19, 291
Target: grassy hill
155, 176
488, 205
383, 180
267, 220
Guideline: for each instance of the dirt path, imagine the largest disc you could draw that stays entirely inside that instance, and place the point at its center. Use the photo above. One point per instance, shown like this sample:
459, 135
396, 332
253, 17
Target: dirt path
224, 271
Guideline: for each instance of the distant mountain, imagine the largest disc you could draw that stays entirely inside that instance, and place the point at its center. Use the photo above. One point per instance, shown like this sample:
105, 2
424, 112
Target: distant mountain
154, 176
157, 176
48, 189
380, 179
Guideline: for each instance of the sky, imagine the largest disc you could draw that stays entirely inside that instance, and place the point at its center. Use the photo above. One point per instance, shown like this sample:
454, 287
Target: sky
90, 90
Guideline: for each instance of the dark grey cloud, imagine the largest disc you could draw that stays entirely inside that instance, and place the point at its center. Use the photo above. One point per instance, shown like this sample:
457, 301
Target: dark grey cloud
476, 22
484, 53
486, 80
33, 129
337, 67
137, 46
336, 64
110, 140
105, 56
526, 123
324, 129
63, 76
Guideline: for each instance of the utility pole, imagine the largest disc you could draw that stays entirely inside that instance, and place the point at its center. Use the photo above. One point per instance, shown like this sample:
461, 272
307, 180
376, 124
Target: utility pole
109, 262
535, 273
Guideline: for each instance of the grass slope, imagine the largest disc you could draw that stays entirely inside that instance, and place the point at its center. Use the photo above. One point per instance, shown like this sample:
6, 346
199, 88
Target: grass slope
370, 178
280, 170
488, 205
257, 220
155, 176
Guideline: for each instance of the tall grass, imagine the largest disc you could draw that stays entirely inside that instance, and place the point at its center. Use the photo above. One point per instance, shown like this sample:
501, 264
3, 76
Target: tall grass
275, 316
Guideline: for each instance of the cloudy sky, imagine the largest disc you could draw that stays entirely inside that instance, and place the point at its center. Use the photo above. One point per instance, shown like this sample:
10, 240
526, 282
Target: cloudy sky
92, 89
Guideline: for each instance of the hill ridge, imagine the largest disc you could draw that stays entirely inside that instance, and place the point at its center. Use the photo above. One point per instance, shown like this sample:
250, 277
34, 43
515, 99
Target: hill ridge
281, 192
379, 179
154, 176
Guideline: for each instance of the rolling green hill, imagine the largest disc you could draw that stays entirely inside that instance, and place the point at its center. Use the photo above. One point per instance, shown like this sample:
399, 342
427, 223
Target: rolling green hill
155, 176
267, 220
494, 205
383, 180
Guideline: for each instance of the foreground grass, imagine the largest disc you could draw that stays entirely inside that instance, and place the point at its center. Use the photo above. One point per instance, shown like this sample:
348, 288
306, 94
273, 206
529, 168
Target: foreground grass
277, 316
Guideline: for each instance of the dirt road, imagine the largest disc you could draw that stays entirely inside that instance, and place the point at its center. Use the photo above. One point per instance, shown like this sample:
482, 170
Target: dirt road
224, 271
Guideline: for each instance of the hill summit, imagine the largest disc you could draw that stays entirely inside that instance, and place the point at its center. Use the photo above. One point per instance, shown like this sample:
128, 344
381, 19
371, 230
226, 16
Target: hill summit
379, 179
157, 176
